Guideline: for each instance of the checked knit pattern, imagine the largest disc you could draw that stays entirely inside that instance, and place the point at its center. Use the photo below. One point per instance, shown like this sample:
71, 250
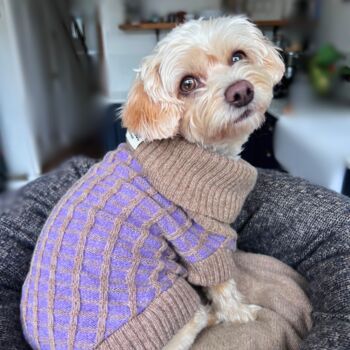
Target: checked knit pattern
112, 248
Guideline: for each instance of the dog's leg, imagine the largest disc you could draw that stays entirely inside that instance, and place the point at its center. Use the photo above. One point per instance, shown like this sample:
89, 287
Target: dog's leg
186, 336
228, 303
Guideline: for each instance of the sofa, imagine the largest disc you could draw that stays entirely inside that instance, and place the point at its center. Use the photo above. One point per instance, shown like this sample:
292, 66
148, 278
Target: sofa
304, 226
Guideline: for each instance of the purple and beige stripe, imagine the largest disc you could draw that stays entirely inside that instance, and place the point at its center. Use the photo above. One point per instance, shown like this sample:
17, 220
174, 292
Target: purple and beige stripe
103, 302
42, 245
51, 292
118, 279
81, 250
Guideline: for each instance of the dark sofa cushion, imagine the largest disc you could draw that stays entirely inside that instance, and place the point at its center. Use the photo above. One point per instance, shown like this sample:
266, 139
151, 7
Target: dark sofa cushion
303, 225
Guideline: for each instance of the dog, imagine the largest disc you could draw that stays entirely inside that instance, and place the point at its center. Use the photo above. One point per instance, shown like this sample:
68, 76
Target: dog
210, 81
113, 263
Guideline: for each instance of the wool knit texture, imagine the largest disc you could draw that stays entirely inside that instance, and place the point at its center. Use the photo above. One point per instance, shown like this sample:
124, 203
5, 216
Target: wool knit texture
112, 264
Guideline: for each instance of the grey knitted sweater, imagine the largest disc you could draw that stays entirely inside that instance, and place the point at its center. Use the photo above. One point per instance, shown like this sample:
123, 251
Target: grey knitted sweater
280, 207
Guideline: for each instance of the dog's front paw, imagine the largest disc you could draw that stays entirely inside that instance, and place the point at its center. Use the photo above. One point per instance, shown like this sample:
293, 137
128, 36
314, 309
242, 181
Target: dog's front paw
239, 313
228, 304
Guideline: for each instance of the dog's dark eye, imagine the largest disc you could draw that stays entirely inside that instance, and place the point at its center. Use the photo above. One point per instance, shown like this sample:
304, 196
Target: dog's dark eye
237, 56
188, 84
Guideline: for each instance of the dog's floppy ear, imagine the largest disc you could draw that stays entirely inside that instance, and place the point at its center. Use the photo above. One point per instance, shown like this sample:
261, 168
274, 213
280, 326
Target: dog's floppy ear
273, 63
150, 114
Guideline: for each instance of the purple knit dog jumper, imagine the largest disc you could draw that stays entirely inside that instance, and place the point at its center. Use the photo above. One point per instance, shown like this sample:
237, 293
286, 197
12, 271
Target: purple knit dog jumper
113, 265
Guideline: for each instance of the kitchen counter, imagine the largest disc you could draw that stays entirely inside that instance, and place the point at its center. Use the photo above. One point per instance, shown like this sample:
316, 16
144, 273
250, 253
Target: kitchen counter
312, 139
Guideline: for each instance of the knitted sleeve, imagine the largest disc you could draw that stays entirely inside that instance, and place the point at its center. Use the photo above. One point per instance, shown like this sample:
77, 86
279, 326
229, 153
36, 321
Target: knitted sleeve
205, 247
216, 268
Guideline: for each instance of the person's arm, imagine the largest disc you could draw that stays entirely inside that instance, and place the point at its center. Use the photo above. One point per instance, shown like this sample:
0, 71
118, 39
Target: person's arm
22, 215
308, 228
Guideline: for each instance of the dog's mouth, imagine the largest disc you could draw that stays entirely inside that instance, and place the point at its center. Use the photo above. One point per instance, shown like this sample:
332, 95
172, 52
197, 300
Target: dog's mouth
243, 116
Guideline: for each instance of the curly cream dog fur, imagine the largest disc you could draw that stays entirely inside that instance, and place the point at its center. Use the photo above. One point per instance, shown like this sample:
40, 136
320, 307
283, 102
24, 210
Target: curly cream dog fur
211, 82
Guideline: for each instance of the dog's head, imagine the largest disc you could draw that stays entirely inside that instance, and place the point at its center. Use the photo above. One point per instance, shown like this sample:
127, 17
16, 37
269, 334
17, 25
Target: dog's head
209, 81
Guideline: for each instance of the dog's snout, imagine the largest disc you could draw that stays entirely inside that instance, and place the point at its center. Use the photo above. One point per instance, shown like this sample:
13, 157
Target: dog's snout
240, 93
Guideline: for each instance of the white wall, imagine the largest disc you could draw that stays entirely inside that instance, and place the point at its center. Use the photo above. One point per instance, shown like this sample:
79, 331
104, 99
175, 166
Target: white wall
162, 8
334, 24
123, 50
43, 89
18, 145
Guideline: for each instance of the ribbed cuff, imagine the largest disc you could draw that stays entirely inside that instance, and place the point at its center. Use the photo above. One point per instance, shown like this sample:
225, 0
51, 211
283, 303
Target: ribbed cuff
157, 325
216, 269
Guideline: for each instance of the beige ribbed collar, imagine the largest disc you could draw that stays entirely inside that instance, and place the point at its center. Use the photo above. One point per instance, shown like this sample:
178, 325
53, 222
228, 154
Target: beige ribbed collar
196, 179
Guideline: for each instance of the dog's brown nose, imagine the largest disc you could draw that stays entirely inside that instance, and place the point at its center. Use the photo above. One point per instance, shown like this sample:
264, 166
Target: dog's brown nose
240, 93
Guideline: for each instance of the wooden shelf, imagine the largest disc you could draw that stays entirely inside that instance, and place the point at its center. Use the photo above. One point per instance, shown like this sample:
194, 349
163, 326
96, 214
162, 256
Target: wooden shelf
272, 23
171, 25
148, 26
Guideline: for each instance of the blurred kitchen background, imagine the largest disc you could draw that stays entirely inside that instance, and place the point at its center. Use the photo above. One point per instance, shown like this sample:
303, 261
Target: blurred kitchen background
66, 67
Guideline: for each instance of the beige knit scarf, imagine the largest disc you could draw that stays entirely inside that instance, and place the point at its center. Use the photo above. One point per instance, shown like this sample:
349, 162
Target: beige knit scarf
201, 182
